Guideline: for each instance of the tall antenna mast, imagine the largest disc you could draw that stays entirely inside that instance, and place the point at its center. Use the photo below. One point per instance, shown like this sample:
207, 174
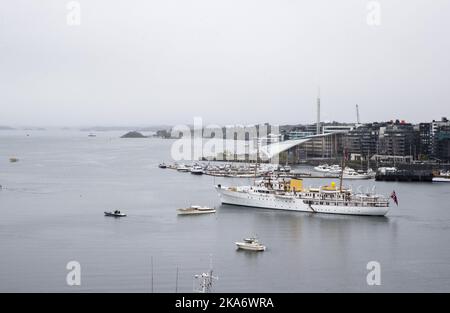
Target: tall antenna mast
357, 115
318, 112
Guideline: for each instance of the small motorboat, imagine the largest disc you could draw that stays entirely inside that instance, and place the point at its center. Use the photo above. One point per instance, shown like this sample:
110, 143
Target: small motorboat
195, 209
116, 213
162, 165
322, 168
13, 160
443, 177
250, 244
197, 170
350, 173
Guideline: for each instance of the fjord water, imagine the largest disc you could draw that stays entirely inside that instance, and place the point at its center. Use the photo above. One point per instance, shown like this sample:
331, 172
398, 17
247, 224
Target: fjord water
53, 200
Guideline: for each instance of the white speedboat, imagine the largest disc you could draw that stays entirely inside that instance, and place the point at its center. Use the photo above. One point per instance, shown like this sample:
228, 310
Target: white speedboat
443, 177
196, 209
116, 213
197, 170
322, 168
325, 168
350, 173
251, 244
335, 169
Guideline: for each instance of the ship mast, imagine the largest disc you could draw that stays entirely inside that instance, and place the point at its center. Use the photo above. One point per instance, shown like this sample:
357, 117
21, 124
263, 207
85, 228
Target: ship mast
257, 156
341, 177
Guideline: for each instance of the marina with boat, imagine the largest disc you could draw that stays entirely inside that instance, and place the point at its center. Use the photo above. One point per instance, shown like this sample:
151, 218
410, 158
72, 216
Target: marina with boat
232, 170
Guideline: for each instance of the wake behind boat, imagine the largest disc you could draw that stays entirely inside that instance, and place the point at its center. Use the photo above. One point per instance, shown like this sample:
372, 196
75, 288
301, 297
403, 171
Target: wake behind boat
195, 209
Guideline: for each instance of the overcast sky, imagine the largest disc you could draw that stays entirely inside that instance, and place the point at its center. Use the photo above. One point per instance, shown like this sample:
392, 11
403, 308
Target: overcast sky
144, 62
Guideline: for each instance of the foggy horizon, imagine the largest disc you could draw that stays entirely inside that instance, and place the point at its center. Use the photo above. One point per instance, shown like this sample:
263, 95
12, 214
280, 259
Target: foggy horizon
144, 63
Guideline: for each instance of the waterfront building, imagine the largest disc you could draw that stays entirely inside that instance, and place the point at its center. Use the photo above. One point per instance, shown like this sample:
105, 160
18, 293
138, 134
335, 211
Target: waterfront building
362, 140
439, 139
298, 134
323, 147
397, 138
340, 128
391, 159
425, 140
441, 143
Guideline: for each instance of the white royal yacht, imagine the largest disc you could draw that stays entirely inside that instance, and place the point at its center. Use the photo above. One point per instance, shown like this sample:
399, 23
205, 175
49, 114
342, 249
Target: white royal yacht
285, 194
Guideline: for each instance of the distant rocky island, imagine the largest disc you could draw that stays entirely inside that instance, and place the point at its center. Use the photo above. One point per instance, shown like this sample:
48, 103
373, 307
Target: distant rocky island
133, 134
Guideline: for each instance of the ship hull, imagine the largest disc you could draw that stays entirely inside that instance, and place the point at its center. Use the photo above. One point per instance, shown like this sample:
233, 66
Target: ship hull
243, 246
274, 202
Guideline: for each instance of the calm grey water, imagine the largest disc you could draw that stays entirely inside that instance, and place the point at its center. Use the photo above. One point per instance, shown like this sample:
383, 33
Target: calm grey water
53, 200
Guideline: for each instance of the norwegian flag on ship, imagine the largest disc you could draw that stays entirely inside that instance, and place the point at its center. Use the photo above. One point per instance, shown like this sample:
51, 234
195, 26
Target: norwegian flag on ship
394, 197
